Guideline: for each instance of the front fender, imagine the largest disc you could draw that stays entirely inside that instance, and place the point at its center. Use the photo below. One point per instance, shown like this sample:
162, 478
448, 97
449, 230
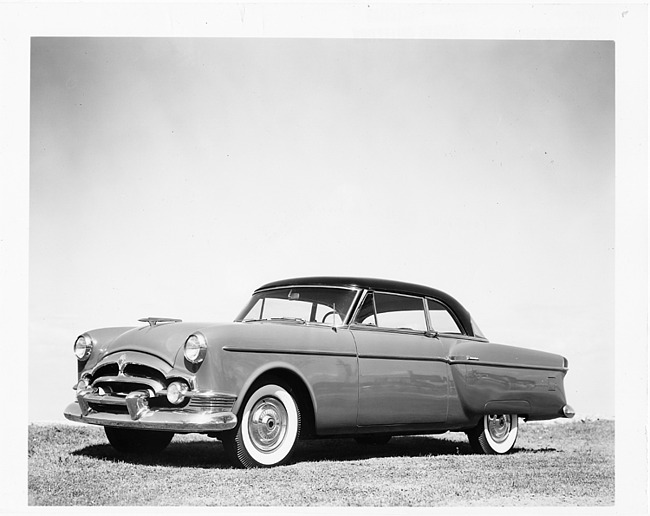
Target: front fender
323, 359
266, 368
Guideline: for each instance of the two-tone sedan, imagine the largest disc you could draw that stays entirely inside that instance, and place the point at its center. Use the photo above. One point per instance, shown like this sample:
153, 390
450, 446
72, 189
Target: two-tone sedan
314, 357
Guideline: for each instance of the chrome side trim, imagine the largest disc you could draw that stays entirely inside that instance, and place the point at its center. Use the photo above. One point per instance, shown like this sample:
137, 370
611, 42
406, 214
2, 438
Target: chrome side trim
462, 358
276, 351
211, 402
385, 329
404, 357
454, 360
472, 361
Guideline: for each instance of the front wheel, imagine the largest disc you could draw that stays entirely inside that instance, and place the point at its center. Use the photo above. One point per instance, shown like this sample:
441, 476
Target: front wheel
268, 428
495, 434
126, 440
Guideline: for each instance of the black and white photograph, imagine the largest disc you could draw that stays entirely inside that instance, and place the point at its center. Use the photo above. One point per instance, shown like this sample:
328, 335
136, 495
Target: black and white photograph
268, 263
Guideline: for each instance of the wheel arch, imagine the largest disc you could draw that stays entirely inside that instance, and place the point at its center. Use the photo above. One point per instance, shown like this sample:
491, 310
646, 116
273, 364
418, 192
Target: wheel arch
295, 380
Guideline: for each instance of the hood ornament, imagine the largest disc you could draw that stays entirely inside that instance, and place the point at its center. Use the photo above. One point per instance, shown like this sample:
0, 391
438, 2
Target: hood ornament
121, 364
155, 320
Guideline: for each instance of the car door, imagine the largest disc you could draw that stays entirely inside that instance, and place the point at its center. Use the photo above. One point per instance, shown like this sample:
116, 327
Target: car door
403, 374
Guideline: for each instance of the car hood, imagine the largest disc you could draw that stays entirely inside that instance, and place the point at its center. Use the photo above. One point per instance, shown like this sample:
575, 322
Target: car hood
164, 341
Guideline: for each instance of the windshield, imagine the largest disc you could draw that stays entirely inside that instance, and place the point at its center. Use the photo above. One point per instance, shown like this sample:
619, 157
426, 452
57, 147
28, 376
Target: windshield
325, 305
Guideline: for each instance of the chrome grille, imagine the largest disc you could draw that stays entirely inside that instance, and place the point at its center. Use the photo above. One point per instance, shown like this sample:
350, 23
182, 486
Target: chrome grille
113, 382
121, 385
107, 370
122, 379
144, 372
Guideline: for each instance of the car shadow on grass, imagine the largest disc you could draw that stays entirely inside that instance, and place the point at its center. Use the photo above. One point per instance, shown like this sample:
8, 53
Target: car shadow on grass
210, 455
202, 454
408, 446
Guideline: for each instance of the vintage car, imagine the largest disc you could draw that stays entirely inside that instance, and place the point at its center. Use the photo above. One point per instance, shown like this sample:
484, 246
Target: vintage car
314, 358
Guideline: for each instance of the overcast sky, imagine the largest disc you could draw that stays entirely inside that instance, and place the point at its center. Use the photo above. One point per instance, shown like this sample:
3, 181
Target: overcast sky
171, 177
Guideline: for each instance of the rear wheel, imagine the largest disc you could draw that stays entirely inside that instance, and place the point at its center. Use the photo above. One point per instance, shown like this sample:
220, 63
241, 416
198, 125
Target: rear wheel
495, 434
126, 440
268, 428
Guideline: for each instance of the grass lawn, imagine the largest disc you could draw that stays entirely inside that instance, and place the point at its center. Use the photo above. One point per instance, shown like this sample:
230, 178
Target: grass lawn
560, 464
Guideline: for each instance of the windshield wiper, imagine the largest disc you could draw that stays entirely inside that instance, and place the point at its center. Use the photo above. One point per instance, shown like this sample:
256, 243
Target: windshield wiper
285, 319
289, 319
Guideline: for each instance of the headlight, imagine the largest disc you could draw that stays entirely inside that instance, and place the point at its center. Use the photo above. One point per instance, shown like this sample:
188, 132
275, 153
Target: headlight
83, 346
176, 392
195, 348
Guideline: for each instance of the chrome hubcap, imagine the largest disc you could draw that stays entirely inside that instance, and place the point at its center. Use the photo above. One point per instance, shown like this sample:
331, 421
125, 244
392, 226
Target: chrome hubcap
499, 427
267, 424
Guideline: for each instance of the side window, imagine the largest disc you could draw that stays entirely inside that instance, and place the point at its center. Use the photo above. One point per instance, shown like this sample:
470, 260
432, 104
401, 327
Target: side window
441, 320
400, 312
477, 331
366, 314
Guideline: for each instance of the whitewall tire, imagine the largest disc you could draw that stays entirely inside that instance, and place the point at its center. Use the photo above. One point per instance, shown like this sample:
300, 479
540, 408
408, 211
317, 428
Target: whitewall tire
495, 434
268, 428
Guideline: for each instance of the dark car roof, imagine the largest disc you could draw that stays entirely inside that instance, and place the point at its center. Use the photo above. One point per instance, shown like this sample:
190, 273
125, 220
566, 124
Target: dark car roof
381, 285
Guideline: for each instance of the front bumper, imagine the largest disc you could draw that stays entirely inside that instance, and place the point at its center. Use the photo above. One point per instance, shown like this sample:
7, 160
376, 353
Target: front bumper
140, 416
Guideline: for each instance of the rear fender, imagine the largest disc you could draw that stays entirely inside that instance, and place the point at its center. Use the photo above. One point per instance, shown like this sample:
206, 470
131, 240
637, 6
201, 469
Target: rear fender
498, 379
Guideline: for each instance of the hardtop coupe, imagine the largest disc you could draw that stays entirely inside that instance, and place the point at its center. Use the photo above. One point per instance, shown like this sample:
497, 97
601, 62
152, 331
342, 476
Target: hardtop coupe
314, 357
